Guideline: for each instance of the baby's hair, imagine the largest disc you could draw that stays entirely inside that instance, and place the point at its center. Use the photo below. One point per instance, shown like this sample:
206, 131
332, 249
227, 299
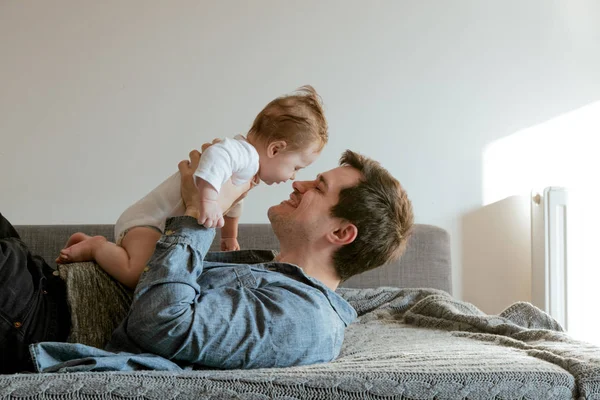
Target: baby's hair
297, 118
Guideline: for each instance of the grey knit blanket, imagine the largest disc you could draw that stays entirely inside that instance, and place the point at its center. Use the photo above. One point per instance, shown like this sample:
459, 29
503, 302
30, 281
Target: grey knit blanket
406, 343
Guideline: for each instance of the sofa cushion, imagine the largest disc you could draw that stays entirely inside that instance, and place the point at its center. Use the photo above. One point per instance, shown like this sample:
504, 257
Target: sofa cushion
426, 263
98, 303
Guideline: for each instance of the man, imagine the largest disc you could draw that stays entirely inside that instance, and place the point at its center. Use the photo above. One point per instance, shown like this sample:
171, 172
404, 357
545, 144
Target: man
246, 309
263, 312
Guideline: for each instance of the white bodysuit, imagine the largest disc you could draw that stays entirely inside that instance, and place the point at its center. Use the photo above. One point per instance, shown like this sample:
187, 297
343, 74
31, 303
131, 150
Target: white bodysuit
231, 159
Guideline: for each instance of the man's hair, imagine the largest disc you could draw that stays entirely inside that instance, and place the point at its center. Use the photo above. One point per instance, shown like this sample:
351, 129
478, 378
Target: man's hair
379, 207
298, 119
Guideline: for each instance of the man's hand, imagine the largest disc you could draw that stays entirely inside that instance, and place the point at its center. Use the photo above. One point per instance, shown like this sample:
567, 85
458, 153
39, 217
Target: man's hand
189, 191
207, 145
229, 244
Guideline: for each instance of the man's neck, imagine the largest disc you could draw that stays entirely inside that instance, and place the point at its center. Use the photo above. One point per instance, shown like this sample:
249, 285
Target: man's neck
314, 263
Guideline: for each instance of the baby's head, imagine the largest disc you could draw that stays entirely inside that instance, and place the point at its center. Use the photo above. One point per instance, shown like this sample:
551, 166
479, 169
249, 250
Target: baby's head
289, 134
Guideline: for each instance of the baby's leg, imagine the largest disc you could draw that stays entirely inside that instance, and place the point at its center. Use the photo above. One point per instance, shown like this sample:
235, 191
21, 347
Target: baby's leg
76, 238
139, 243
124, 263
81, 249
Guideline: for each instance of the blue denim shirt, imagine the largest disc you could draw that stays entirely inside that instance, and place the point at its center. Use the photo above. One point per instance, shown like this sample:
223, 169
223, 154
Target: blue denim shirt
224, 310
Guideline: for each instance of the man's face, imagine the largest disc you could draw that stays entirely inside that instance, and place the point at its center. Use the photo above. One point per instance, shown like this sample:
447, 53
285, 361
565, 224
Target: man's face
306, 214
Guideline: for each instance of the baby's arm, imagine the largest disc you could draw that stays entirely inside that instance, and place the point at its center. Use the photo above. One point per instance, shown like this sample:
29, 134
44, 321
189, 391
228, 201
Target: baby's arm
229, 234
211, 214
221, 161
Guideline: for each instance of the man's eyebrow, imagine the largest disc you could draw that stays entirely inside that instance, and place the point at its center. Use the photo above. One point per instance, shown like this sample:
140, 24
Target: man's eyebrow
323, 180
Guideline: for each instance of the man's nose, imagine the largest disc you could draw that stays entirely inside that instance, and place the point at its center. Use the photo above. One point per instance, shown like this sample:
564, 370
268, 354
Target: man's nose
304, 186
299, 186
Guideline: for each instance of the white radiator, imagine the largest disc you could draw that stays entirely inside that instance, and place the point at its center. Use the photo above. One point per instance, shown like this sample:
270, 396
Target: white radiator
549, 252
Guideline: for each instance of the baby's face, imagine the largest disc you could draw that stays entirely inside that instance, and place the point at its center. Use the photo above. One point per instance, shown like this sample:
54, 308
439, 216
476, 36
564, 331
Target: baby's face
284, 165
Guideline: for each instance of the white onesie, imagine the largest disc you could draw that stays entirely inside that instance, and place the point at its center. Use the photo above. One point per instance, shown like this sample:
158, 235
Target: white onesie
231, 158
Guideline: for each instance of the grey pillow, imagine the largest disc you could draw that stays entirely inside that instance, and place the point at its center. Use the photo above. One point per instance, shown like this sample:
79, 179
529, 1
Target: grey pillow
98, 303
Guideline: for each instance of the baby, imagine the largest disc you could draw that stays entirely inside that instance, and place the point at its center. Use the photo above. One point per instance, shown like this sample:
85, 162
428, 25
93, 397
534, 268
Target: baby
286, 136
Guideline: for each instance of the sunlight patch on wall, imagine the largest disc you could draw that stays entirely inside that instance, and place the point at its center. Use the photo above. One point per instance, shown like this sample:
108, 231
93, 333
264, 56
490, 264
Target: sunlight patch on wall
560, 152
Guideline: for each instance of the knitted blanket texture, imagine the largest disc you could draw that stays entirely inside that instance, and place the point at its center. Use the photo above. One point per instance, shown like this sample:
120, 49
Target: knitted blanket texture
406, 343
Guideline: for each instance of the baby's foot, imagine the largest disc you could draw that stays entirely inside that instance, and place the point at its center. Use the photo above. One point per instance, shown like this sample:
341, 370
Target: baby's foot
74, 239
82, 251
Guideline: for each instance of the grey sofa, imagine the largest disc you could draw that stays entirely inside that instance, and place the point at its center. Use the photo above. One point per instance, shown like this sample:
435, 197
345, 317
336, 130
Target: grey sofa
426, 262
412, 340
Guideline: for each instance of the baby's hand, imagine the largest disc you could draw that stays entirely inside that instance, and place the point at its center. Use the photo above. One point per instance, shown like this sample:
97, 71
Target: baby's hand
229, 244
211, 215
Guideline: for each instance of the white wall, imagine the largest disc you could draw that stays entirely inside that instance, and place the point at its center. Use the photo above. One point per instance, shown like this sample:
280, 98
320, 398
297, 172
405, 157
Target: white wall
100, 100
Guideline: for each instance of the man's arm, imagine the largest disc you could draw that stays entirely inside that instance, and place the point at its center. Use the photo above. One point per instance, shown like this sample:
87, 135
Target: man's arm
168, 286
190, 193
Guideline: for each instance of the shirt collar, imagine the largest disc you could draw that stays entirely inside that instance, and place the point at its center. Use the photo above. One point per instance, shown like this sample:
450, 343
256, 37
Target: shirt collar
345, 311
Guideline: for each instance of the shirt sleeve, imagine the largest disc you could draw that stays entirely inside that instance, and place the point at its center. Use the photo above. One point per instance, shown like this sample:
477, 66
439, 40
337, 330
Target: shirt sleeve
230, 158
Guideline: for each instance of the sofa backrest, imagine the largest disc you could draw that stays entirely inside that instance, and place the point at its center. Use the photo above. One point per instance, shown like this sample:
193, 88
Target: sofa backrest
426, 262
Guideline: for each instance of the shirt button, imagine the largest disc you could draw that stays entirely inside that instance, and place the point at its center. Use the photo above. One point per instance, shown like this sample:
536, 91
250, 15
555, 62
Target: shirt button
169, 232
147, 269
56, 273
18, 324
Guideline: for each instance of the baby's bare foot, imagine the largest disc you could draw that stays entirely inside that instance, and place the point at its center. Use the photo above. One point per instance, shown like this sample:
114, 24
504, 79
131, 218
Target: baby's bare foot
74, 239
82, 251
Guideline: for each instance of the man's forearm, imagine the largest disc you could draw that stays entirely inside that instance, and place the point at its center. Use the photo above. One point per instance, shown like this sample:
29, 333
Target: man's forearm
183, 237
162, 311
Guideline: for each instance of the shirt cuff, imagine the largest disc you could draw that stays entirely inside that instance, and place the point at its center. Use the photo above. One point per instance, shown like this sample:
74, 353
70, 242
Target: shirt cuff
180, 222
186, 230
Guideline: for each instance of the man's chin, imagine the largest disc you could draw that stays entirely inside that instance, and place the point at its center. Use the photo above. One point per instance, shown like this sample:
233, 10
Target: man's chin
272, 212
278, 210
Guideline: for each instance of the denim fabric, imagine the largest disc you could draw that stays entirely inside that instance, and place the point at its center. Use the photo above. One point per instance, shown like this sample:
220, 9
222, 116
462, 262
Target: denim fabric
33, 304
75, 357
230, 310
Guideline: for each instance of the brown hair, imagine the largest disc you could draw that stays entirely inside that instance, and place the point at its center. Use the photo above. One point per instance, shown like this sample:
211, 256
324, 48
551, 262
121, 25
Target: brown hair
379, 207
298, 119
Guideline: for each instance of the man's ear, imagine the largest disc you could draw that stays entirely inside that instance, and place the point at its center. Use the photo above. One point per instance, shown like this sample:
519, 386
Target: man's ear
275, 148
345, 234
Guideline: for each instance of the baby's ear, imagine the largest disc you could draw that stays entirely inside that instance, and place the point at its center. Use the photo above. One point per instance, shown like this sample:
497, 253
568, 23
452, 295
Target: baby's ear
276, 147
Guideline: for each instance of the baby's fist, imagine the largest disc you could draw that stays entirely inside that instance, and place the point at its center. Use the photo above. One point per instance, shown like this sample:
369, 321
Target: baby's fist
229, 244
211, 215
